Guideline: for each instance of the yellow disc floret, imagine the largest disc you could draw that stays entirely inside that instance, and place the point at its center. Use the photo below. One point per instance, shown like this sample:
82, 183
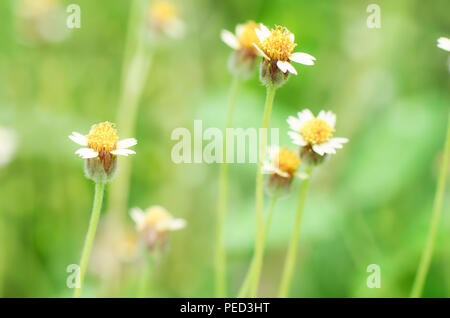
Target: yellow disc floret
103, 136
287, 161
248, 35
155, 215
279, 45
316, 131
163, 11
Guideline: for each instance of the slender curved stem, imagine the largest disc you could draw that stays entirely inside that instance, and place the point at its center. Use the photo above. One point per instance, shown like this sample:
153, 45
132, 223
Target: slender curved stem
136, 65
95, 216
254, 270
270, 95
425, 261
220, 261
143, 282
292, 249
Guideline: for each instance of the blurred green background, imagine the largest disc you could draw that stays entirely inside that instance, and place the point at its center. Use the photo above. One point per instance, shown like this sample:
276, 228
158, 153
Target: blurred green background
369, 204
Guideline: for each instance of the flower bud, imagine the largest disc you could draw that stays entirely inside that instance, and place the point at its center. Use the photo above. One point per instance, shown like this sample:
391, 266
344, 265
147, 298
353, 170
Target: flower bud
270, 74
102, 168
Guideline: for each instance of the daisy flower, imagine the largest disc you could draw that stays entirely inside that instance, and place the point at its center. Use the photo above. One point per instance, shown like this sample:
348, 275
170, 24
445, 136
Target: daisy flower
164, 19
281, 165
102, 146
154, 224
277, 47
315, 133
444, 43
242, 61
281, 162
243, 39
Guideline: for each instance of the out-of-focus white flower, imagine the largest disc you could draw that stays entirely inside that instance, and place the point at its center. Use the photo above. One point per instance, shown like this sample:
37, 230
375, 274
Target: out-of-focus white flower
243, 39
281, 162
315, 133
444, 43
277, 47
154, 225
41, 20
8, 145
163, 17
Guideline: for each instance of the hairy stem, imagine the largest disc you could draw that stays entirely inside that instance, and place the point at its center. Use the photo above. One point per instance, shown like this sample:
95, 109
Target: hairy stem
220, 261
95, 216
292, 249
270, 95
254, 270
427, 254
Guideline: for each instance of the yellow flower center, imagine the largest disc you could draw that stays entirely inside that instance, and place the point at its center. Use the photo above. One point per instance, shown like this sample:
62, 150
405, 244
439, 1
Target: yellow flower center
163, 11
155, 215
316, 131
103, 136
279, 45
248, 35
288, 161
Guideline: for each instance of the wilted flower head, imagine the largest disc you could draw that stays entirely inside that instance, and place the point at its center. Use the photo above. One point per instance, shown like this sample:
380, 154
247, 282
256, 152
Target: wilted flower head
8, 145
281, 165
154, 225
163, 19
103, 146
315, 134
243, 59
444, 43
277, 48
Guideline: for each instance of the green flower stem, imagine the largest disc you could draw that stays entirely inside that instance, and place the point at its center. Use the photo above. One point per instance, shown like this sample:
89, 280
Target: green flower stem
270, 95
425, 261
220, 261
145, 278
95, 216
292, 249
136, 66
254, 270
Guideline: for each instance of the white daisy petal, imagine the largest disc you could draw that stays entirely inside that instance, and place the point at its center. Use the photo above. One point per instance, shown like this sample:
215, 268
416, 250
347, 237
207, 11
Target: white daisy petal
340, 140
302, 58
291, 68
318, 149
123, 152
261, 52
78, 138
294, 123
177, 224
230, 39
444, 43
265, 30
260, 35
328, 116
170, 225
86, 153
268, 168
292, 37
297, 139
240, 28
305, 115
137, 215
281, 173
283, 66
126, 143
302, 175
